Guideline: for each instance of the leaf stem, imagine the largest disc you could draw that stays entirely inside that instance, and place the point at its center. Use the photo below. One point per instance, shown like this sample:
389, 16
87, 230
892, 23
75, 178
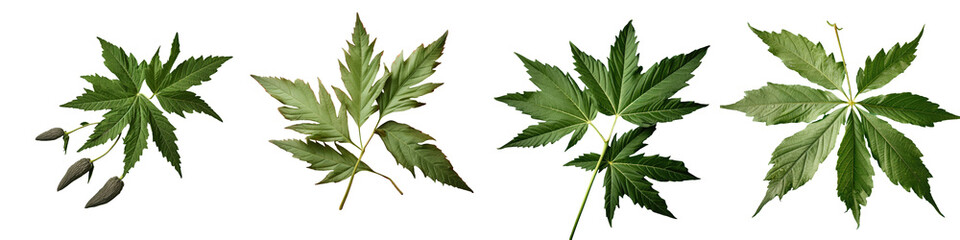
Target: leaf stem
391, 182
363, 149
596, 169
108, 150
81, 127
836, 31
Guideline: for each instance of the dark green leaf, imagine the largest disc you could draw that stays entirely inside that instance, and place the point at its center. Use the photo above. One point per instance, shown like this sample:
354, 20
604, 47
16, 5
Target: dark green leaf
660, 82
627, 180
178, 102
136, 139
163, 136
898, 157
907, 108
124, 66
660, 112
854, 171
885, 66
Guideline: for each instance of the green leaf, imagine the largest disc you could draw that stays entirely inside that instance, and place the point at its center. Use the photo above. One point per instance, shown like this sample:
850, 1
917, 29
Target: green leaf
898, 157
302, 104
563, 106
655, 167
587, 161
627, 180
359, 75
854, 171
124, 66
907, 108
885, 66
178, 102
624, 65
598, 80
620, 148
660, 82
405, 144
797, 158
136, 139
545, 133
322, 157
803, 56
779, 103
660, 112
112, 124
403, 83
191, 72
163, 136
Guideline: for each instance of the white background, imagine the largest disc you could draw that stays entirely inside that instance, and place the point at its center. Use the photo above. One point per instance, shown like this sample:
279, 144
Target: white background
236, 185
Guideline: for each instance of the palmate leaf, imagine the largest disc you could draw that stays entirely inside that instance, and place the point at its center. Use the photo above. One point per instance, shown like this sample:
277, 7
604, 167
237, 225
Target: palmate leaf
363, 95
620, 89
797, 158
132, 110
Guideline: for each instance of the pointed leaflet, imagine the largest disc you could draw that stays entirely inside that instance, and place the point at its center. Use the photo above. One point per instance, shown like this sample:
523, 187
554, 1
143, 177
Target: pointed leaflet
106, 94
124, 66
359, 75
322, 157
796, 158
401, 86
302, 104
624, 66
178, 102
112, 124
561, 103
779, 103
854, 171
163, 136
907, 108
640, 100
803, 56
898, 157
885, 66
599, 82
404, 143
136, 139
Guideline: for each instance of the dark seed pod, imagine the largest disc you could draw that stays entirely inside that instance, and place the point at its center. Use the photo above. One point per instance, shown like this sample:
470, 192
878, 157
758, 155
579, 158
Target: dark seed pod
51, 134
109, 191
77, 170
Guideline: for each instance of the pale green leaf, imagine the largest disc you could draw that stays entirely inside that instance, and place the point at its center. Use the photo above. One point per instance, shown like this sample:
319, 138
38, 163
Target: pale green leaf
803, 56
322, 157
779, 103
302, 104
406, 145
797, 158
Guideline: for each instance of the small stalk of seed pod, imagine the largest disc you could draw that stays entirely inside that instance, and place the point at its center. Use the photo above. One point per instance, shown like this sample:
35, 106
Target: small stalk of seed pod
77, 170
109, 191
52, 134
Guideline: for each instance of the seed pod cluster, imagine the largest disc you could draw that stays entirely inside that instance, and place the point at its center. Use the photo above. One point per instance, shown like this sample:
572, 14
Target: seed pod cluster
77, 170
52, 134
109, 191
